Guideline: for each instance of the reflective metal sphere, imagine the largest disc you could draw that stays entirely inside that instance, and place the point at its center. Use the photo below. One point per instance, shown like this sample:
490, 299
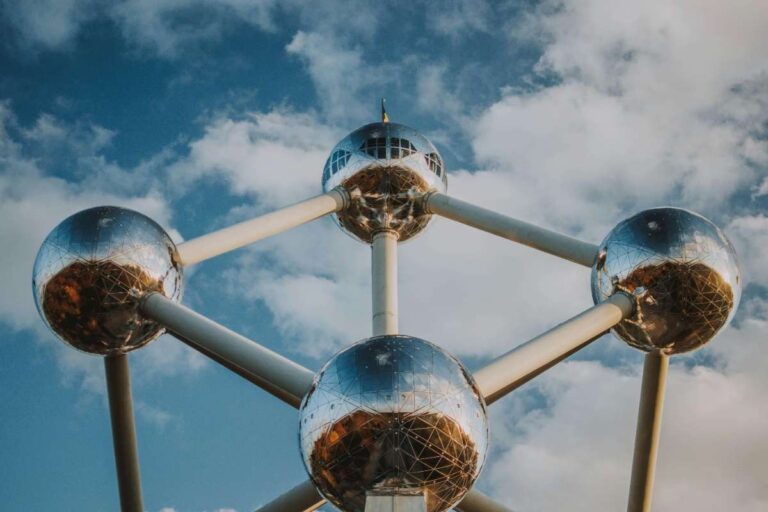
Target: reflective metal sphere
682, 271
393, 414
385, 167
91, 271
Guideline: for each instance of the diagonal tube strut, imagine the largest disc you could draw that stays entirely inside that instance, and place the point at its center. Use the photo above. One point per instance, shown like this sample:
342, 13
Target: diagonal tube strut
302, 498
523, 363
272, 372
533, 236
384, 282
475, 501
648, 431
123, 432
244, 233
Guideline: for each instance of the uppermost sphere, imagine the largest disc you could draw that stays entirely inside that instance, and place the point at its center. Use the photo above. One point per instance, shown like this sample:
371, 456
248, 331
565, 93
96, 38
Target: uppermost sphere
386, 168
91, 272
682, 271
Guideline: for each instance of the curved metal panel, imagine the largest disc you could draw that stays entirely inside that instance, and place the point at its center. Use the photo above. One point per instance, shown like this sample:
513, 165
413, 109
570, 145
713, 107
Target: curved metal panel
393, 414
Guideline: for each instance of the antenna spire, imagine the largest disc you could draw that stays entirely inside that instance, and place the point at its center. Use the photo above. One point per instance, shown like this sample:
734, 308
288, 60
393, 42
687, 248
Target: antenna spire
384, 116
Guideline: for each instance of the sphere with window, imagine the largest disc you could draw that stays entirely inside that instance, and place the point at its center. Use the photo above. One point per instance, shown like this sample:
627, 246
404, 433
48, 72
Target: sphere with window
386, 168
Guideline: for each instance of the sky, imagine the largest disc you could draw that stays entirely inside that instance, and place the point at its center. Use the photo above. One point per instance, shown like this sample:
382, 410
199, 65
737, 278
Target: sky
572, 115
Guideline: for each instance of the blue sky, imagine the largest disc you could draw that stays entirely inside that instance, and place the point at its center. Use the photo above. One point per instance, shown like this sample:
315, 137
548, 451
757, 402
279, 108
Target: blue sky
201, 114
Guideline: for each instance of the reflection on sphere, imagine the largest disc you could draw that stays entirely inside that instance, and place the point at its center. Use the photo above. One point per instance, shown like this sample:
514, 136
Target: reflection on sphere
91, 271
682, 271
393, 414
386, 168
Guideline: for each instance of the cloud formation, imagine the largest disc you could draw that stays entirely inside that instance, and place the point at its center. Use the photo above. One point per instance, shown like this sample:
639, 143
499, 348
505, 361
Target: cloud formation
638, 114
630, 106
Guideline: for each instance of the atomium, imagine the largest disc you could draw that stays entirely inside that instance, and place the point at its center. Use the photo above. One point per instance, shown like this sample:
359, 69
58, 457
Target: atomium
385, 167
682, 272
393, 414
92, 269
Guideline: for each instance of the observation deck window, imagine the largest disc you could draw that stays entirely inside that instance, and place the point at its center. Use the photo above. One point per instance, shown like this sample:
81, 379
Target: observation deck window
400, 148
375, 147
338, 160
435, 164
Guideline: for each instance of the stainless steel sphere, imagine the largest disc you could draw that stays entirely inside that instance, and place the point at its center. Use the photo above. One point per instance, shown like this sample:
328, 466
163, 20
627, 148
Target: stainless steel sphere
91, 271
393, 414
385, 167
682, 271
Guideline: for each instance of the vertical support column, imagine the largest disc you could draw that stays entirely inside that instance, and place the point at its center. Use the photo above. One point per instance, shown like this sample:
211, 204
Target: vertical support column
384, 282
393, 502
648, 431
124, 432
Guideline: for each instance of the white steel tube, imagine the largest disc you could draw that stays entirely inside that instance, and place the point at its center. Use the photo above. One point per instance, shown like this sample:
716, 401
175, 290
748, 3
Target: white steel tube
475, 501
393, 502
648, 431
244, 233
272, 372
302, 498
563, 246
522, 363
384, 282
123, 433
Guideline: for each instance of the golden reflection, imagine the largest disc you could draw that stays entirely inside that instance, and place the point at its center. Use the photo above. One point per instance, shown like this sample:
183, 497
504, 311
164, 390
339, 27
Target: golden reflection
683, 305
394, 451
384, 197
91, 303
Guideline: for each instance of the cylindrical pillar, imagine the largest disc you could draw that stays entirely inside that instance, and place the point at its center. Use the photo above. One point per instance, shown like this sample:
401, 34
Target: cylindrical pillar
563, 246
302, 498
521, 364
272, 372
124, 433
648, 431
384, 282
244, 233
475, 501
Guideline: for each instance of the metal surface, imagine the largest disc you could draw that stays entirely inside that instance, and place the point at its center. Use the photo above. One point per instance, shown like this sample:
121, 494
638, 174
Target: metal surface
244, 233
388, 502
92, 269
393, 414
475, 501
384, 282
563, 246
270, 371
521, 364
302, 498
682, 271
123, 432
648, 431
385, 167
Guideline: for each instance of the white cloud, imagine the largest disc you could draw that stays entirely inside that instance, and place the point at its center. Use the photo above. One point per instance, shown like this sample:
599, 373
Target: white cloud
578, 439
316, 282
750, 237
30, 192
275, 156
655, 104
341, 74
48, 23
652, 103
43, 201
456, 18
164, 26
168, 26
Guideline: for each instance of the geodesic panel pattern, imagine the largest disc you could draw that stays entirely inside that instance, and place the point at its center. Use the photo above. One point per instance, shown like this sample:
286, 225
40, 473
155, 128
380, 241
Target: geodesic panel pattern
682, 272
386, 168
91, 271
393, 414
